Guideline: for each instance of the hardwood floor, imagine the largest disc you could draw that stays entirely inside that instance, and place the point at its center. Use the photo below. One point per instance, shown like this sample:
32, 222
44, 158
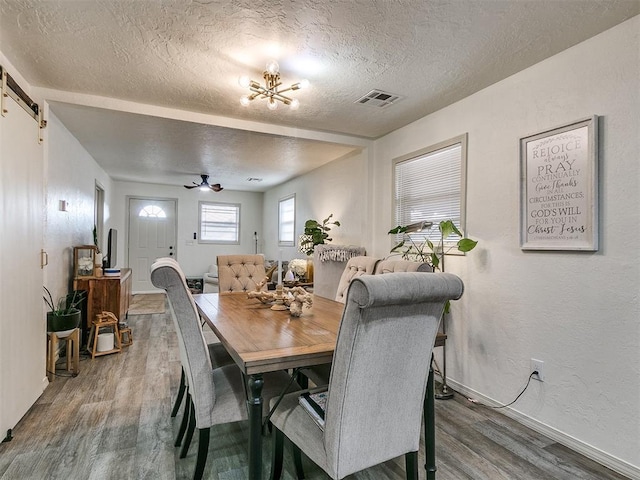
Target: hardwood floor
113, 421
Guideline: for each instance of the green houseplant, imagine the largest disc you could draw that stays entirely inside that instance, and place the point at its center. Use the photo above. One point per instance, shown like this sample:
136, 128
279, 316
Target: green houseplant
65, 314
425, 250
316, 233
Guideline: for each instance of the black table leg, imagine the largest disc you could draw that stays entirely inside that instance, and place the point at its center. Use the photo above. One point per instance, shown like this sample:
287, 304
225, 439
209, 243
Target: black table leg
254, 402
430, 428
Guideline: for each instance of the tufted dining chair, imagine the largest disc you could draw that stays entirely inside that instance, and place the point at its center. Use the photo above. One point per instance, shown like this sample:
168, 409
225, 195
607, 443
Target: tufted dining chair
217, 394
369, 422
356, 267
240, 273
394, 266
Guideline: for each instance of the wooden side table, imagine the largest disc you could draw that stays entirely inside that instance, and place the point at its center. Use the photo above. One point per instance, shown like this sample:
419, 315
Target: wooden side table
73, 352
112, 294
126, 336
104, 320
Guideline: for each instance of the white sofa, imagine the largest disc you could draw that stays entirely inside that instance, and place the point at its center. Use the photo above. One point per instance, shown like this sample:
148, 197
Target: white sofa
210, 280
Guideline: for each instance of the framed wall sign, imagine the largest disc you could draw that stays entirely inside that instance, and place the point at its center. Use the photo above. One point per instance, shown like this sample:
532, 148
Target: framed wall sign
559, 188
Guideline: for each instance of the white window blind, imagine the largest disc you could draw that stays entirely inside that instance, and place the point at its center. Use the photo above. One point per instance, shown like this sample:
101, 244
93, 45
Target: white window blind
219, 223
428, 186
286, 221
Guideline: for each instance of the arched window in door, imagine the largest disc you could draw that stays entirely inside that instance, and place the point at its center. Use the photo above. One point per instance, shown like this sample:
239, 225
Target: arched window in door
152, 211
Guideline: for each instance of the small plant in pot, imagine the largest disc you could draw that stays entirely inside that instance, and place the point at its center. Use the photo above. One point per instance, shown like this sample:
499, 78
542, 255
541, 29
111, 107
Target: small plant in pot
424, 250
64, 316
315, 233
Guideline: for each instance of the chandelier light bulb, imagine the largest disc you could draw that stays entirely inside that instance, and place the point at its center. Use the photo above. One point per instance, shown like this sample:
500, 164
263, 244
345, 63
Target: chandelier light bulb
272, 90
273, 67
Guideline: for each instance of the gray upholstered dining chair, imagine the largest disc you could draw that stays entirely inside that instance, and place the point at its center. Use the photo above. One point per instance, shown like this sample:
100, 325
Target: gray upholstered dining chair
217, 394
369, 422
218, 354
355, 267
240, 273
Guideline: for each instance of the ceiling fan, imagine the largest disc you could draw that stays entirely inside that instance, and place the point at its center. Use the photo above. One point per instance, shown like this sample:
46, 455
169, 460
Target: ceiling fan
204, 185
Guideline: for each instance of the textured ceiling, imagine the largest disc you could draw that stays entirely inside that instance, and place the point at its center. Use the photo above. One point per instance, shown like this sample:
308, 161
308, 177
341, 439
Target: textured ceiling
166, 151
188, 55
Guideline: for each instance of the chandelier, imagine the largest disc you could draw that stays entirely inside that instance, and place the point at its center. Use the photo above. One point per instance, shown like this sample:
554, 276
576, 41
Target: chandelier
271, 89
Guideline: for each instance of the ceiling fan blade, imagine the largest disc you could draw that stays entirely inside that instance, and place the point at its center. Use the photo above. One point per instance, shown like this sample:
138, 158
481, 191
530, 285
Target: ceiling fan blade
205, 184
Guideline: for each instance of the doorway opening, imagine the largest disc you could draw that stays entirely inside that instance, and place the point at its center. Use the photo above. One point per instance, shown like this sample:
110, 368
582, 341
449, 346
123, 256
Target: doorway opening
151, 235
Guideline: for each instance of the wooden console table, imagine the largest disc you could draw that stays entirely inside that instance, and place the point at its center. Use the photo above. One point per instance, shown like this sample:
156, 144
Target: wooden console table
105, 294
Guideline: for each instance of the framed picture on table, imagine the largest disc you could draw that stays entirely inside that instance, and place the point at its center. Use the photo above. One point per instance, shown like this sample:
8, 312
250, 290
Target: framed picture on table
559, 188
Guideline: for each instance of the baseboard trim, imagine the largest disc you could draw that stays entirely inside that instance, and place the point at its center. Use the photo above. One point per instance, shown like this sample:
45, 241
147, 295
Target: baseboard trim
589, 451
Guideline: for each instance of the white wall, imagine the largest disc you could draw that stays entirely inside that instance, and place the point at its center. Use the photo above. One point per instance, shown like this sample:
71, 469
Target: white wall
194, 258
578, 312
71, 176
339, 187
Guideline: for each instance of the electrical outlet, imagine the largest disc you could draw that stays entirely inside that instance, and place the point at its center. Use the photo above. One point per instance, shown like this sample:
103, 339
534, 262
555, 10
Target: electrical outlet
537, 366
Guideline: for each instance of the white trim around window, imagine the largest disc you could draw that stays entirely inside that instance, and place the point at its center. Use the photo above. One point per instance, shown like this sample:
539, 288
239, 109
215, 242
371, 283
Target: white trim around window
287, 221
430, 184
219, 223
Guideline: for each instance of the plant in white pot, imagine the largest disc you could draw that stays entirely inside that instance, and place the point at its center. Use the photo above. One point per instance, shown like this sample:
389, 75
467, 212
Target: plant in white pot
64, 316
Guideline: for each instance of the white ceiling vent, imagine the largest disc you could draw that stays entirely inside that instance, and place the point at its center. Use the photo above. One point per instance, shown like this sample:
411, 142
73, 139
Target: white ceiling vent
378, 98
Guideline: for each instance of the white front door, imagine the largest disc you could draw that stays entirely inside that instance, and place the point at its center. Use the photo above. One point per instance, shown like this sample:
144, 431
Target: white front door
152, 234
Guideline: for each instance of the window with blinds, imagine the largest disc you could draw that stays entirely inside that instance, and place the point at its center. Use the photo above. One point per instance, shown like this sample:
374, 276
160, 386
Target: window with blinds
429, 185
219, 223
287, 221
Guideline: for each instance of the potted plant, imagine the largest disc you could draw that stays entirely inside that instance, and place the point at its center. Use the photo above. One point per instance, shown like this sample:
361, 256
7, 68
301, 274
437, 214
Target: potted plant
425, 250
98, 257
315, 233
64, 316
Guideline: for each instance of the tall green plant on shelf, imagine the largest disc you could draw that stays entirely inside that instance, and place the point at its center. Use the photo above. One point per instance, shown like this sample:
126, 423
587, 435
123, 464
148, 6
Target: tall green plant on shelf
316, 233
95, 238
426, 251
66, 314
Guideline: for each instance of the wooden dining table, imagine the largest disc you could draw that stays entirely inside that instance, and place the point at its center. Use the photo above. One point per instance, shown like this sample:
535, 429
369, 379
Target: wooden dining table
262, 340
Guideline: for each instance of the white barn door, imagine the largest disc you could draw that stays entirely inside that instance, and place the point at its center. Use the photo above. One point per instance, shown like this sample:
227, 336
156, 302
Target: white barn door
23, 329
